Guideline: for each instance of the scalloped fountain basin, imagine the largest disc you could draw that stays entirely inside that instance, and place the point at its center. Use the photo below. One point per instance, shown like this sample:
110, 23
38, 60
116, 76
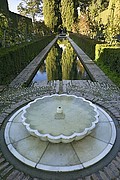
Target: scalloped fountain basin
60, 118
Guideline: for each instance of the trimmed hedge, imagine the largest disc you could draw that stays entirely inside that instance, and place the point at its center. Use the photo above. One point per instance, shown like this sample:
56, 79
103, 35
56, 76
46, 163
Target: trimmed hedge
13, 60
109, 55
85, 43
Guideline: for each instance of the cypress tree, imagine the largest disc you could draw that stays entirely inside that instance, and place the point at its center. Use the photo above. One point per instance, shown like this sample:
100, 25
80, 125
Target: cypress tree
50, 14
67, 14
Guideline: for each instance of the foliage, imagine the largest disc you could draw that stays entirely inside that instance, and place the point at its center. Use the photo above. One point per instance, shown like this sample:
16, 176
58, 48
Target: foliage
113, 25
85, 43
107, 58
3, 28
68, 58
30, 8
4, 6
67, 14
40, 29
95, 24
59, 14
81, 26
115, 77
50, 14
110, 55
53, 67
14, 59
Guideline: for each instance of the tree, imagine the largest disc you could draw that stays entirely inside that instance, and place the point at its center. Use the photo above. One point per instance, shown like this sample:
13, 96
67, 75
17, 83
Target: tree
51, 15
3, 28
53, 67
40, 29
67, 14
113, 25
83, 4
30, 8
68, 58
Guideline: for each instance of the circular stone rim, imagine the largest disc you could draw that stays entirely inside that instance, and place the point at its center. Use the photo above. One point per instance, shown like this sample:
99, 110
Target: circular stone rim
60, 138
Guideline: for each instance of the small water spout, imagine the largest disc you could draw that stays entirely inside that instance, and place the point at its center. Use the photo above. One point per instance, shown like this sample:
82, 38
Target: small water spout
59, 114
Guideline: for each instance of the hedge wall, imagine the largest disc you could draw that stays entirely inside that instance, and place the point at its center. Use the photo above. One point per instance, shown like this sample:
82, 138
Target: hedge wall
13, 60
109, 55
85, 43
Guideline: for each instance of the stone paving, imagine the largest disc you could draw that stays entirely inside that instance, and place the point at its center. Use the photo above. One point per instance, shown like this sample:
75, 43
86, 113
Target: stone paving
102, 92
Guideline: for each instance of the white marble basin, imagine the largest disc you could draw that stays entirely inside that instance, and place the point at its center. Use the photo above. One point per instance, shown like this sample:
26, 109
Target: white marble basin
60, 118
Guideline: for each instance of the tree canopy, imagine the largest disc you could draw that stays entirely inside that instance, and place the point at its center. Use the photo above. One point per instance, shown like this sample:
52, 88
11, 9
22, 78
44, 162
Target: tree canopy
30, 8
50, 14
67, 14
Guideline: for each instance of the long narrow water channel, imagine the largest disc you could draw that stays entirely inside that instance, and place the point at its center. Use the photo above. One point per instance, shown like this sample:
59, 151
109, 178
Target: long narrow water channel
61, 63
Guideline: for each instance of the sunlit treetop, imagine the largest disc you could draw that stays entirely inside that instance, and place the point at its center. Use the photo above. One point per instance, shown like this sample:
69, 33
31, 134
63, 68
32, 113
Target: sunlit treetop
30, 8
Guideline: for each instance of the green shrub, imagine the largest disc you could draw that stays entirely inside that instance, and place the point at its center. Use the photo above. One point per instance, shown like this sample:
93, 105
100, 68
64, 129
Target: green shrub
109, 55
108, 59
13, 60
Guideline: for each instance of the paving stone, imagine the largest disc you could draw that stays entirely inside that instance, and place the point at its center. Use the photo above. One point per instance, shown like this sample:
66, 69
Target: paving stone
27, 178
109, 173
103, 176
3, 165
119, 154
0, 154
2, 117
9, 111
6, 171
13, 175
118, 158
88, 178
113, 168
2, 160
19, 176
116, 163
95, 177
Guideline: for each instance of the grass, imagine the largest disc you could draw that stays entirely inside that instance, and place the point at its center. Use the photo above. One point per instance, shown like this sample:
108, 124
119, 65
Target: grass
115, 77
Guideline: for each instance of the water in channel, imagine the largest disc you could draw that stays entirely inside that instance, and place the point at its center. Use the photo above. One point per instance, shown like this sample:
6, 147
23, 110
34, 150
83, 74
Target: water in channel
61, 63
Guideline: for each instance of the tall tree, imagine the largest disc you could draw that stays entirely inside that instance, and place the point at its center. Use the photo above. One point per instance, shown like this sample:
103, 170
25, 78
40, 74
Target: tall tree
113, 25
53, 67
3, 28
50, 11
30, 8
67, 13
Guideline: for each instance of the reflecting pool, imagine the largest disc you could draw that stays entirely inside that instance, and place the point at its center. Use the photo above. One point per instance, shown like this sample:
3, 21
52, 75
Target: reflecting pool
61, 63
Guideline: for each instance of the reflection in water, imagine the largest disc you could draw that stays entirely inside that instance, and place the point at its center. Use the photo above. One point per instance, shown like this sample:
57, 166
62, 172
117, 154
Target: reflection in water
61, 63
53, 66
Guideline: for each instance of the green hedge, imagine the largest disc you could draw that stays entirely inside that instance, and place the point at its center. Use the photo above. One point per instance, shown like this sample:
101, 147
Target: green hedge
108, 59
109, 55
13, 60
85, 43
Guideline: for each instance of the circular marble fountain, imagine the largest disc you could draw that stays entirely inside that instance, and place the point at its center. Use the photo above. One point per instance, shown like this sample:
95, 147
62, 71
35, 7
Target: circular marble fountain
60, 118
